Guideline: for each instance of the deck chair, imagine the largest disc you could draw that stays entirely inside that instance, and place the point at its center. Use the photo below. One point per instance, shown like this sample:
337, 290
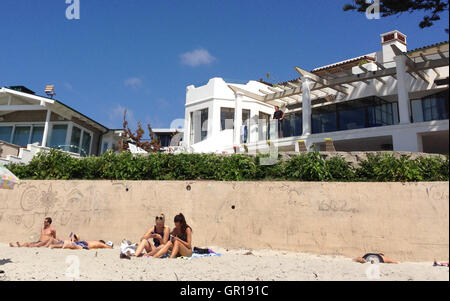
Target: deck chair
329, 146
302, 146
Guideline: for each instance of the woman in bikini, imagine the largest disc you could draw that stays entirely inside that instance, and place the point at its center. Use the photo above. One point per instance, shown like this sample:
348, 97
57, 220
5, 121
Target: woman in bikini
159, 233
75, 244
180, 240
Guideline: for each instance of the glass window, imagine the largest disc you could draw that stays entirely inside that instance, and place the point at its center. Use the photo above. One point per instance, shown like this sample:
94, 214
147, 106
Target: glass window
37, 134
22, 135
204, 123
86, 144
5, 133
227, 118
199, 126
59, 133
75, 140
292, 125
105, 147
434, 107
352, 119
382, 115
264, 126
324, 122
245, 128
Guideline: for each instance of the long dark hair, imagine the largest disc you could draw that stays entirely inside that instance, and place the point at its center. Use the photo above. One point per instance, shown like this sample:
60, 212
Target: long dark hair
180, 219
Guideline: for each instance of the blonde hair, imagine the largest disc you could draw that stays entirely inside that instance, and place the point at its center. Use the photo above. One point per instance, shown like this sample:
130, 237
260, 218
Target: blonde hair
161, 216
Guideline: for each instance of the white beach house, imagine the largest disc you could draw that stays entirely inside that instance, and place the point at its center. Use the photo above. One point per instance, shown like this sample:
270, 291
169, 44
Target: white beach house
393, 99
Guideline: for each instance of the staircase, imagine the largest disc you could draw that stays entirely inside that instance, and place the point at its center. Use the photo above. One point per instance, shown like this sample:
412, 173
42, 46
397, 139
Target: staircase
26, 154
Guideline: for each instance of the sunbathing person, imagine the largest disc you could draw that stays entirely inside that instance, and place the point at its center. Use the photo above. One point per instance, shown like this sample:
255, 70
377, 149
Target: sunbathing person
75, 244
159, 233
180, 240
371, 256
47, 234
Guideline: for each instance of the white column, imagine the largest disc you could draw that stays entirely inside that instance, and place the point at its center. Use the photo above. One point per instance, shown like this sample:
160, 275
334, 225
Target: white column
306, 106
69, 133
252, 133
404, 108
238, 119
47, 124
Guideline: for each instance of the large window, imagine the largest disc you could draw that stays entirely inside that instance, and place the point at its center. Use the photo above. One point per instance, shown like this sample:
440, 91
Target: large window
75, 140
292, 125
324, 120
86, 143
80, 141
59, 133
226, 118
5, 133
245, 128
434, 107
199, 126
37, 134
21, 135
356, 114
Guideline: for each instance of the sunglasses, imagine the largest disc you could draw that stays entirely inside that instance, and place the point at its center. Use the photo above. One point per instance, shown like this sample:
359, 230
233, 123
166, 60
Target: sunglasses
159, 218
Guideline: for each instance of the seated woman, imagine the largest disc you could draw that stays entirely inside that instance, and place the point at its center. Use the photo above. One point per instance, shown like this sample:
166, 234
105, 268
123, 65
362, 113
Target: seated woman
160, 235
75, 244
180, 242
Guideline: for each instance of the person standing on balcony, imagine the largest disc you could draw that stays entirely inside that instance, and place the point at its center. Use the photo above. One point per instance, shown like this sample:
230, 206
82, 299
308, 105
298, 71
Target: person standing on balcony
279, 115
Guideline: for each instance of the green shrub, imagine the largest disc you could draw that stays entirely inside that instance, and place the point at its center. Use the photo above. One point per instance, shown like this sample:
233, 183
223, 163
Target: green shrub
307, 167
57, 165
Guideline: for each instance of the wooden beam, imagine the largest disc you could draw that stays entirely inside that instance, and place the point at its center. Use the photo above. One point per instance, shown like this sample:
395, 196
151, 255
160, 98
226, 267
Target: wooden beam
411, 64
321, 81
350, 74
275, 90
247, 93
379, 65
366, 70
22, 108
426, 60
293, 85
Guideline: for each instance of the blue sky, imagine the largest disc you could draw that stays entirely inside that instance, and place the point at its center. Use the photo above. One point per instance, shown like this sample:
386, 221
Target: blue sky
141, 55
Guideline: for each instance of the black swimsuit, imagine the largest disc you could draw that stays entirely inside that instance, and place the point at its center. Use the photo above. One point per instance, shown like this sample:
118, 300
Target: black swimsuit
156, 241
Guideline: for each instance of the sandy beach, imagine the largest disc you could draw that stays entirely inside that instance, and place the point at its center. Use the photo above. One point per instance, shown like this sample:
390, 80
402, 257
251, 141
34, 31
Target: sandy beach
266, 265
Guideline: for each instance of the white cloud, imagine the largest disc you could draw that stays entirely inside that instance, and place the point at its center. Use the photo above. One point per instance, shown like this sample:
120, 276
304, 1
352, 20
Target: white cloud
133, 82
197, 57
115, 117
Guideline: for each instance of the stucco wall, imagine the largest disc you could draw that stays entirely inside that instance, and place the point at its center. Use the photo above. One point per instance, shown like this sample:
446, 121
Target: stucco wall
8, 149
406, 221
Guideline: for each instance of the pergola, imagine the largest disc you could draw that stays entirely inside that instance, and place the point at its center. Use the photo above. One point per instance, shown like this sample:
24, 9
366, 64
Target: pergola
330, 85
311, 86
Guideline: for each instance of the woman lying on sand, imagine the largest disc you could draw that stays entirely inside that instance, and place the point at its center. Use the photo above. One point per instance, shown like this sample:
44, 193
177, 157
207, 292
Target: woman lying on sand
180, 240
160, 235
369, 257
75, 244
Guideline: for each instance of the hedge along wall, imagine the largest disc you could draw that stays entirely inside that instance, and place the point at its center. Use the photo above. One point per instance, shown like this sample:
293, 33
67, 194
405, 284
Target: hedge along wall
304, 167
406, 221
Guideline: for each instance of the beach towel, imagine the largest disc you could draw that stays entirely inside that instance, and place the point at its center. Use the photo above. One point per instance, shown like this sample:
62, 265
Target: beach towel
126, 247
196, 255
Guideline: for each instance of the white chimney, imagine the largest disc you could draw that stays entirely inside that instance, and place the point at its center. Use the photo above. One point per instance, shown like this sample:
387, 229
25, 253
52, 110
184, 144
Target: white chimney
392, 38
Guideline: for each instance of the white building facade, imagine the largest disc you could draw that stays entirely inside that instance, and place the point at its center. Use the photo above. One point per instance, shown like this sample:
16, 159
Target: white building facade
393, 99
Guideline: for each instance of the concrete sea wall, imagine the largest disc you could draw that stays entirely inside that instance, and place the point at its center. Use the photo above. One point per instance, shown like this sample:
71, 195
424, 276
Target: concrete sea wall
406, 221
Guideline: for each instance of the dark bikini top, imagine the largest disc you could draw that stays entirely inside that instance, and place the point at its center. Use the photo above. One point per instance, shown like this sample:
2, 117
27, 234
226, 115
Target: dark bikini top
155, 241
